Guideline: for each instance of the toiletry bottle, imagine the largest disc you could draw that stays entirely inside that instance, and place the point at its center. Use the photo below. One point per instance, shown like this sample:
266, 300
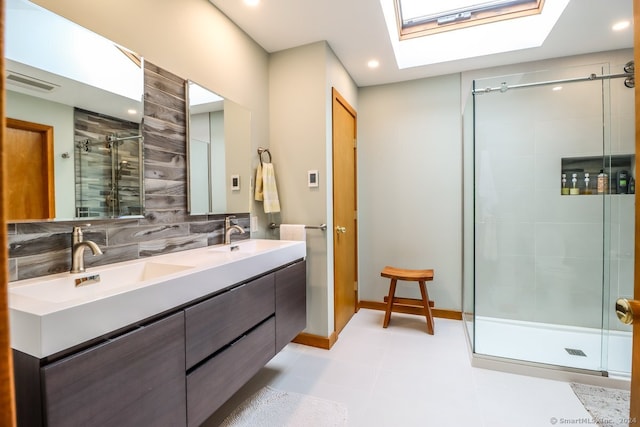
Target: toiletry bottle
587, 189
574, 190
603, 182
564, 190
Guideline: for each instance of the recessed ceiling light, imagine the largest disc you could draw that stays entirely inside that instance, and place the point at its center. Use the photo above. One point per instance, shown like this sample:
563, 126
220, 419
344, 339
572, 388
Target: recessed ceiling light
251, 3
556, 88
374, 63
619, 26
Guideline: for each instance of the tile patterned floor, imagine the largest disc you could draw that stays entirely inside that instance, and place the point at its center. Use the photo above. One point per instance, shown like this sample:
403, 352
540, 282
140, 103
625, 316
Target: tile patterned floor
401, 376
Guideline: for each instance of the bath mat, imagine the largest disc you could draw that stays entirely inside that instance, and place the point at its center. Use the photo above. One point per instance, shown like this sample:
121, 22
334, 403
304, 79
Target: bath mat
609, 407
274, 408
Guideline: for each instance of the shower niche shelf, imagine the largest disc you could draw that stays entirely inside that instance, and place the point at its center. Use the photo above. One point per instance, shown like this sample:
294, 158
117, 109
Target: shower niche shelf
592, 165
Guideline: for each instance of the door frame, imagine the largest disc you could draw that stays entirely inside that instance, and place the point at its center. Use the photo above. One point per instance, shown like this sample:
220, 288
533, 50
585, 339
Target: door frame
46, 135
7, 391
336, 98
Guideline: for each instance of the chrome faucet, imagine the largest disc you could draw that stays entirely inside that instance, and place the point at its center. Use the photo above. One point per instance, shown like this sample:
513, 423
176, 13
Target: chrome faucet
229, 229
77, 250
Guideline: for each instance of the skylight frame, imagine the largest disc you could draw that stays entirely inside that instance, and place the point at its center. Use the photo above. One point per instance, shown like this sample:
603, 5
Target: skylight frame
483, 12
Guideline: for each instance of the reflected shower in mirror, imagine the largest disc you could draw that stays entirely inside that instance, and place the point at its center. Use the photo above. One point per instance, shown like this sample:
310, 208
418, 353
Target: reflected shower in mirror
84, 92
219, 153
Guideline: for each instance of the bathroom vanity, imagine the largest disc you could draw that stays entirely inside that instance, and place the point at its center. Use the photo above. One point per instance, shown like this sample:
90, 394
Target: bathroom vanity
216, 323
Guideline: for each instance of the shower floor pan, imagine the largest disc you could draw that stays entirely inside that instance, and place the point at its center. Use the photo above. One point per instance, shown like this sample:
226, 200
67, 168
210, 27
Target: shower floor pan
559, 345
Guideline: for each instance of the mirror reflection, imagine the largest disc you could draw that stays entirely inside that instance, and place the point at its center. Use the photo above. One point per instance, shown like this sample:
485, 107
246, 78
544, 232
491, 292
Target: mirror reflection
74, 100
218, 151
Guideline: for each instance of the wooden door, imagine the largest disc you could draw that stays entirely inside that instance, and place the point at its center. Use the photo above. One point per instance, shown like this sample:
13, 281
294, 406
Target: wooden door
345, 254
29, 151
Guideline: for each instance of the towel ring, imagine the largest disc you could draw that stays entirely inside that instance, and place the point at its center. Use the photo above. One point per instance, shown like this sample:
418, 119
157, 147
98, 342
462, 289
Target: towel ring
262, 151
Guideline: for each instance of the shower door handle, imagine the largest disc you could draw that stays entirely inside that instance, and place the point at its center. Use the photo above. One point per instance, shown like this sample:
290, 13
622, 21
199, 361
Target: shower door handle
628, 311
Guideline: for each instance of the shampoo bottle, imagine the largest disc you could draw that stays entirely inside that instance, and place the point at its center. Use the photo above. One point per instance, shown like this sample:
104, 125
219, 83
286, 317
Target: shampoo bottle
603, 182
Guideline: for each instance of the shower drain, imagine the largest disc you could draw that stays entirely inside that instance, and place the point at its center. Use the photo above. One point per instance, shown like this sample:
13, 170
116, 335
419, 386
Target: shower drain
575, 352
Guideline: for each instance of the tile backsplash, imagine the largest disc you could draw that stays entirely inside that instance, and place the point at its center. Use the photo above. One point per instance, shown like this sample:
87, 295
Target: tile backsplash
42, 248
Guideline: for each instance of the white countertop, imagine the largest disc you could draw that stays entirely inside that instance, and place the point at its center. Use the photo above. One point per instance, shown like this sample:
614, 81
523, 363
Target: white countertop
49, 314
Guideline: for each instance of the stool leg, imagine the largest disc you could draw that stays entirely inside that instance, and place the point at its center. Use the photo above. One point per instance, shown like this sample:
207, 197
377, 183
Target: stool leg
427, 308
392, 293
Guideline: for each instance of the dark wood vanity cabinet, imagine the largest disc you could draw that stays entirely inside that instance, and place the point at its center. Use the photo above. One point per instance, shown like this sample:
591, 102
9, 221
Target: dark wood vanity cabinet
291, 303
133, 380
176, 370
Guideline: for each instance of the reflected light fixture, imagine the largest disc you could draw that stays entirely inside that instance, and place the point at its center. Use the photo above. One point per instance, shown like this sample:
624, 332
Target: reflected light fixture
132, 111
251, 3
619, 26
373, 63
557, 88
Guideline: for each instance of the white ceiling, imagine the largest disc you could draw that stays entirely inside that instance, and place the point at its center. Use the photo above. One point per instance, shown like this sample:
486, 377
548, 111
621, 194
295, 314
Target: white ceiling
356, 31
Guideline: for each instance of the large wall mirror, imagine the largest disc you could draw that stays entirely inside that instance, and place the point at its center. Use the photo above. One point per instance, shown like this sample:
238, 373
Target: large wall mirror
219, 135
74, 111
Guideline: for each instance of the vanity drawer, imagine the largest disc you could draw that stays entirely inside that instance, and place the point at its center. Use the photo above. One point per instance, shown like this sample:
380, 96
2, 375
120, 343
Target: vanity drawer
132, 380
214, 323
211, 384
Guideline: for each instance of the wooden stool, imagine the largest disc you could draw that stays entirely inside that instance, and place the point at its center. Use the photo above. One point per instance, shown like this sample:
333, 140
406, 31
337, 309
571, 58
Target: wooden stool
420, 276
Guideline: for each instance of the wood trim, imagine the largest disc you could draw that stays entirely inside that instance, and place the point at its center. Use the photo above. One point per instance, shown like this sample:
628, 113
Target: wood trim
46, 132
338, 99
7, 391
407, 309
316, 340
634, 399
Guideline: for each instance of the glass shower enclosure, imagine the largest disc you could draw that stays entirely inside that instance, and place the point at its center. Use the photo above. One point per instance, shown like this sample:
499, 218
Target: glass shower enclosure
549, 161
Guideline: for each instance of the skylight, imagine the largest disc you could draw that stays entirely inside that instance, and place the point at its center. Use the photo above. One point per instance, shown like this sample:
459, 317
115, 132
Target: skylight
469, 41
418, 17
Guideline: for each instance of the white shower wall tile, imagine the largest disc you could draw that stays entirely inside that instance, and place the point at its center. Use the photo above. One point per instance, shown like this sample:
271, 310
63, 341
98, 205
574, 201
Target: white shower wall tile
570, 137
511, 171
626, 221
506, 287
569, 291
556, 208
509, 138
568, 239
498, 238
511, 205
546, 175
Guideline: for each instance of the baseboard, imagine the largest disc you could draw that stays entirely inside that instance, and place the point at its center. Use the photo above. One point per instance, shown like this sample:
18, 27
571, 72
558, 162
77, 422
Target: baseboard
316, 340
437, 312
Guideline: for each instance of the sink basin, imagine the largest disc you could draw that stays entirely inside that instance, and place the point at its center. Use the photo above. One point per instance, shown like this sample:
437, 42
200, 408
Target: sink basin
251, 246
50, 314
111, 279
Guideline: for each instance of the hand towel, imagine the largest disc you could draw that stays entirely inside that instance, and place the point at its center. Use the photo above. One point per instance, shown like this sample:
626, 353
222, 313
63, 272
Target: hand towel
269, 190
259, 187
293, 232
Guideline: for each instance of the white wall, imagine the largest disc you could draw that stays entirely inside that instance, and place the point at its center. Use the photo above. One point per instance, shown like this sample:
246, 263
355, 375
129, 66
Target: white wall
300, 105
410, 186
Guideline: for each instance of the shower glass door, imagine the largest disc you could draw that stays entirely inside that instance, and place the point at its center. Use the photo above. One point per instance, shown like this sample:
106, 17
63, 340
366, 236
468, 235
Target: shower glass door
544, 256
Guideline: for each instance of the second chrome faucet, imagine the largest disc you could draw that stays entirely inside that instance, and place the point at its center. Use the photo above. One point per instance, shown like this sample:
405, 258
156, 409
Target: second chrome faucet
229, 229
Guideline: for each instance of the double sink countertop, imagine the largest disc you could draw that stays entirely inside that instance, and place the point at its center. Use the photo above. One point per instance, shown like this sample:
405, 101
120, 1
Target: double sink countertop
50, 314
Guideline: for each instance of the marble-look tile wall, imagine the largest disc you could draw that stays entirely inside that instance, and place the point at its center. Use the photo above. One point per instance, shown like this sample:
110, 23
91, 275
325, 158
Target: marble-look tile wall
42, 248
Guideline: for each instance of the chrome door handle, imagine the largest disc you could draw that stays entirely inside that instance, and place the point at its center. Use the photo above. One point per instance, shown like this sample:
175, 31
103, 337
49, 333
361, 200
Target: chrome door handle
627, 310
340, 229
